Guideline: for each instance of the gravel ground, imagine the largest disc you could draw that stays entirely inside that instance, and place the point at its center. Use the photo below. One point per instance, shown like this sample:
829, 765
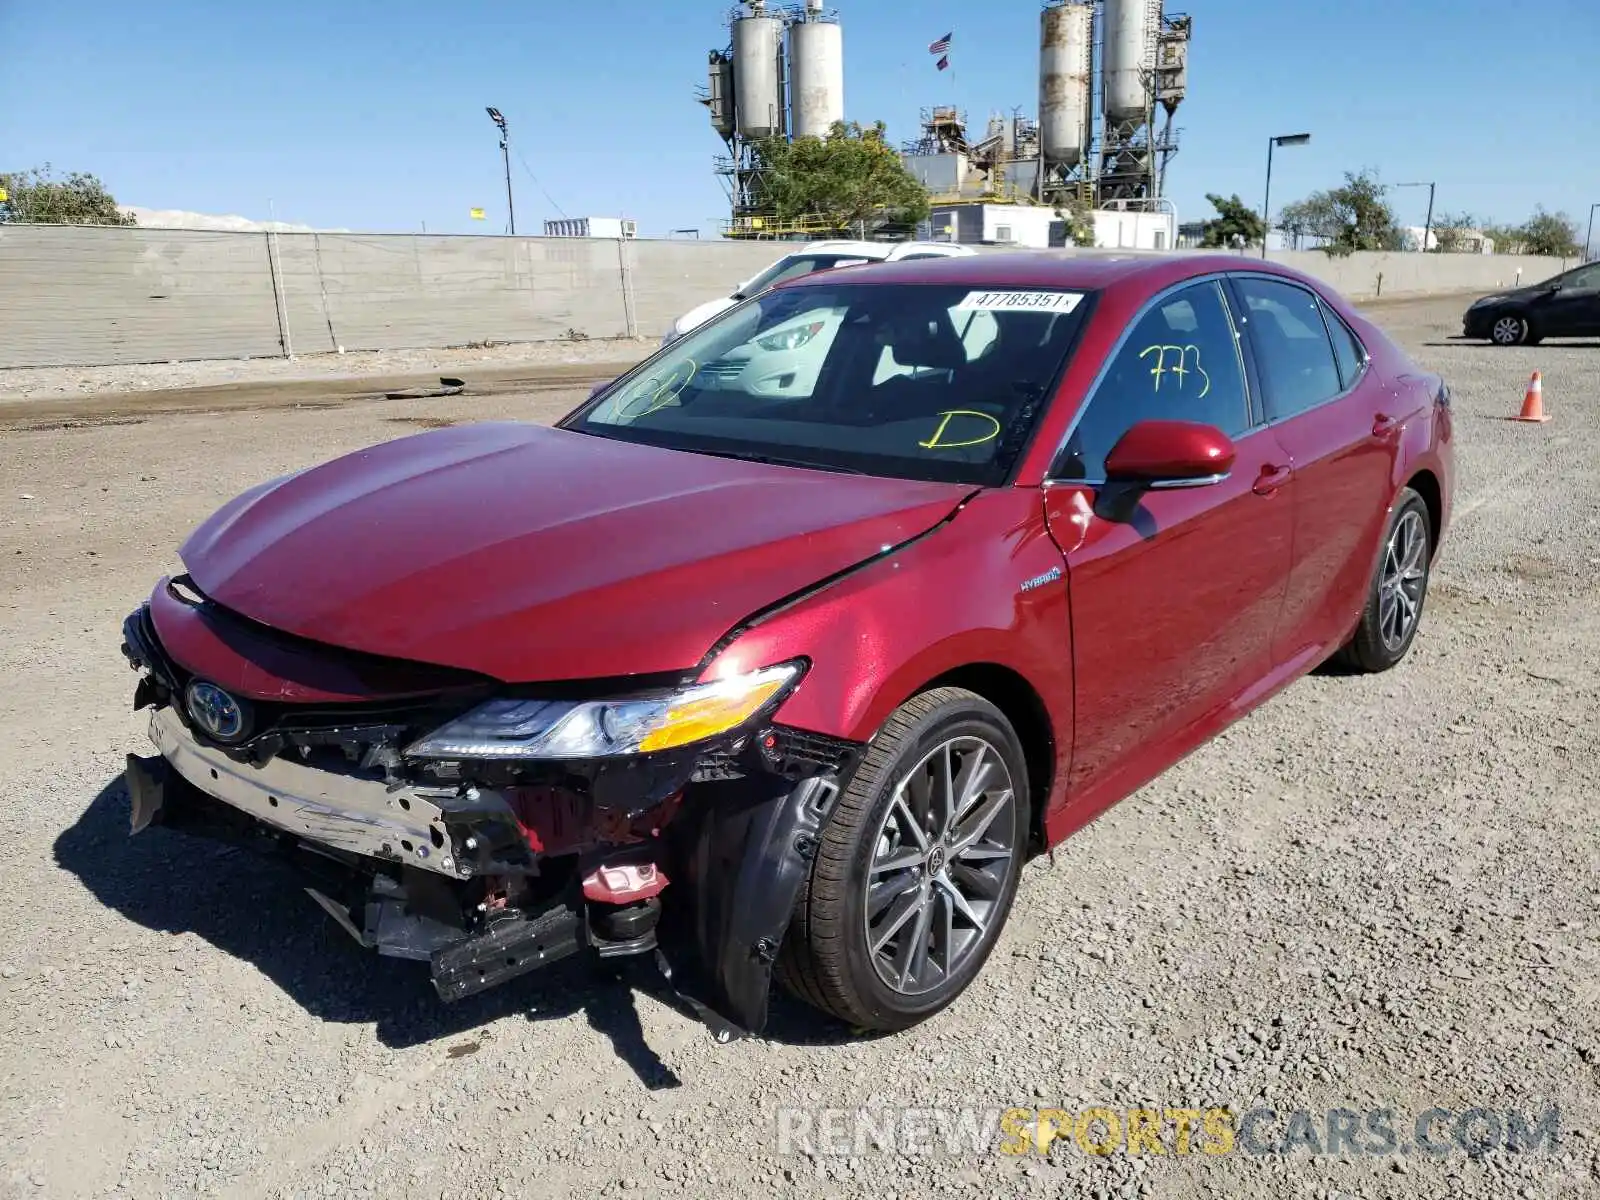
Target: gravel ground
1373, 893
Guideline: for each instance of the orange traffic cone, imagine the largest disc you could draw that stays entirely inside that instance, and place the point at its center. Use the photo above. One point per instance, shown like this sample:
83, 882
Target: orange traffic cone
1533, 401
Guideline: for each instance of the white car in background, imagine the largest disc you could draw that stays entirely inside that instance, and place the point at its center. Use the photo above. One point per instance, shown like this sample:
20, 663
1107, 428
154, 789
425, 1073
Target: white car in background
813, 256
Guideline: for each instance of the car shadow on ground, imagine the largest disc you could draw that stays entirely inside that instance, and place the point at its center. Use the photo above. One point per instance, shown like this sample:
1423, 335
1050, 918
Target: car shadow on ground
1480, 344
254, 909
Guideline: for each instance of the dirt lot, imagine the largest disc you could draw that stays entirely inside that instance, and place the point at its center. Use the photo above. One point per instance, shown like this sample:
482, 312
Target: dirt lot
1374, 893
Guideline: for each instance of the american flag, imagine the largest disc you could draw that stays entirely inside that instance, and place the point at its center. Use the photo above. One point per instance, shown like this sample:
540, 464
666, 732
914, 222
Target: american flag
942, 45
494, 115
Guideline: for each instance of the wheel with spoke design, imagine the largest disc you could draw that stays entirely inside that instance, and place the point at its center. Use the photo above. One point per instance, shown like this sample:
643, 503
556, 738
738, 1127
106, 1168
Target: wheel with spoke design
1513, 329
1399, 588
915, 874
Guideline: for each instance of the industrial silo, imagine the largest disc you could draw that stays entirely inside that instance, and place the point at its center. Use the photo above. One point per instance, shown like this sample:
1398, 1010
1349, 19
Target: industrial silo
719, 93
757, 73
1130, 54
816, 73
1065, 39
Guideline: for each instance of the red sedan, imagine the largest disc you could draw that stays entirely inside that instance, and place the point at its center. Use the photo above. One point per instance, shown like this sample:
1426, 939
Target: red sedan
784, 651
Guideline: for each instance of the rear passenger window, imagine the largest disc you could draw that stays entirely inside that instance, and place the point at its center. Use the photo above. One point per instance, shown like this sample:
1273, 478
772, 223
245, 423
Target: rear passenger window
1346, 348
1293, 354
1180, 362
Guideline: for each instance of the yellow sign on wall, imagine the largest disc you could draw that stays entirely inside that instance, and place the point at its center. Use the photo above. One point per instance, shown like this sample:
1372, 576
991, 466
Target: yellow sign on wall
477, 214
3, 196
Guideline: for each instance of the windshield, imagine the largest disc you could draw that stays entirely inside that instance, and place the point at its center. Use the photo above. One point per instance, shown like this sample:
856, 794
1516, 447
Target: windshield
1583, 277
795, 266
915, 381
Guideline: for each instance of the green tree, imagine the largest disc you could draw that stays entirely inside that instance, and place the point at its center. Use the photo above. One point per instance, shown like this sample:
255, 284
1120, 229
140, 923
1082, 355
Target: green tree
38, 197
1080, 222
851, 179
1312, 217
1554, 234
1349, 218
1235, 224
1508, 239
1455, 233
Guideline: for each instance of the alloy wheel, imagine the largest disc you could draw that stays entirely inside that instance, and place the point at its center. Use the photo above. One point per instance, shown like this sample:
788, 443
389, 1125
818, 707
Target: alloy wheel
942, 860
1405, 574
1508, 331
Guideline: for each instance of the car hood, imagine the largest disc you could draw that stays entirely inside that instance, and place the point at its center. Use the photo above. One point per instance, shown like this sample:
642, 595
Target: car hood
1505, 295
528, 553
701, 313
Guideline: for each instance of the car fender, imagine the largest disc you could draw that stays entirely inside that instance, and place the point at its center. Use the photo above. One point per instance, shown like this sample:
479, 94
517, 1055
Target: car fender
1427, 444
988, 588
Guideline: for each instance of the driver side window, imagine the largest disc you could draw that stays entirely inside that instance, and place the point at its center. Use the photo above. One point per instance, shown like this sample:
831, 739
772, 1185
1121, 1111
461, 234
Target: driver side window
1180, 362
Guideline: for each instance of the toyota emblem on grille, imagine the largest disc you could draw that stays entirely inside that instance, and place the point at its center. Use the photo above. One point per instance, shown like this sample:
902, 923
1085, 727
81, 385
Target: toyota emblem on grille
216, 712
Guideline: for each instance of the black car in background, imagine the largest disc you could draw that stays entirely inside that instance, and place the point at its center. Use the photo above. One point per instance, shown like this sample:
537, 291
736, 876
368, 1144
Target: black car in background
1566, 305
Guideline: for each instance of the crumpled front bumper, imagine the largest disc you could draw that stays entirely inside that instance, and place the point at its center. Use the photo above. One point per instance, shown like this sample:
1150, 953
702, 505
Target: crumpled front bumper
362, 816
736, 858
408, 915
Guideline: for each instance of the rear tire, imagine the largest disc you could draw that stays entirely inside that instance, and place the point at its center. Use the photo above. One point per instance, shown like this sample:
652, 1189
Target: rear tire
1399, 588
916, 871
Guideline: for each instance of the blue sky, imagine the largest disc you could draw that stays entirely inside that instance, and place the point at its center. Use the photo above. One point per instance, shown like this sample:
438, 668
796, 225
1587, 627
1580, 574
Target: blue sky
364, 115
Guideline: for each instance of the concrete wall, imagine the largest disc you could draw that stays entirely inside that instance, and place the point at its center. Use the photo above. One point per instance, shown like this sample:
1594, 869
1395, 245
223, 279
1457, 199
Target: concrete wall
1368, 276
82, 296
86, 296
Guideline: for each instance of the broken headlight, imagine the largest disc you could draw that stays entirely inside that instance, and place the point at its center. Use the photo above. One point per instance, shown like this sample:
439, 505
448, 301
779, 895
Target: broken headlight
577, 729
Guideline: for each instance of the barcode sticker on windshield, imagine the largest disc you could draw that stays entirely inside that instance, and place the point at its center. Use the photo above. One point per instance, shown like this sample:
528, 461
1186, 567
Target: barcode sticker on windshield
1023, 301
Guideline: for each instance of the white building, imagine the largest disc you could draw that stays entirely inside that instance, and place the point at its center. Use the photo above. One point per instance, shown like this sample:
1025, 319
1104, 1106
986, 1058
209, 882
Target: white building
1037, 227
592, 227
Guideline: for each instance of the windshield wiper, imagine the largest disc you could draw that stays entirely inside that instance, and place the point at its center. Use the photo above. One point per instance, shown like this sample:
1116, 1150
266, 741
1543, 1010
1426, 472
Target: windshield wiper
776, 461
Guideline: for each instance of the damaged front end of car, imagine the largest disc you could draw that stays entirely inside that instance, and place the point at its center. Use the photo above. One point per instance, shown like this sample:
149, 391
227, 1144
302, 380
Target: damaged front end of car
492, 831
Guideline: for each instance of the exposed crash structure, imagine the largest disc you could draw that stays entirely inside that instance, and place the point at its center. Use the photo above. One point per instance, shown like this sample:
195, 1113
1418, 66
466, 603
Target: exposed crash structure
489, 837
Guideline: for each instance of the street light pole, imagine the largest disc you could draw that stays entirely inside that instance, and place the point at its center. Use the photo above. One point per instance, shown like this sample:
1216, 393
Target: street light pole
1427, 225
505, 157
1590, 232
1287, 139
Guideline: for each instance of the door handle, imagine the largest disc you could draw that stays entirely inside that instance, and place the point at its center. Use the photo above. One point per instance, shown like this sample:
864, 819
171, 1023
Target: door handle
1383, 425
1271, 479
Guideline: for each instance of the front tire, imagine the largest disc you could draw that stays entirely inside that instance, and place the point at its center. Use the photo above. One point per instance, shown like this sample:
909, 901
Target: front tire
1512, 329
1399, 587
916, 871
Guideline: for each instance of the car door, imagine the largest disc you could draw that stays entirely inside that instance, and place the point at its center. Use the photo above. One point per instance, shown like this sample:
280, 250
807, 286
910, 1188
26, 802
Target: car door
1341, 426
1574, 309
1174, 592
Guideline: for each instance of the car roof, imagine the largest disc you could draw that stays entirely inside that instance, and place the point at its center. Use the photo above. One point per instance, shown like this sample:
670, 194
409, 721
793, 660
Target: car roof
1056, 269
843, 247
874, 249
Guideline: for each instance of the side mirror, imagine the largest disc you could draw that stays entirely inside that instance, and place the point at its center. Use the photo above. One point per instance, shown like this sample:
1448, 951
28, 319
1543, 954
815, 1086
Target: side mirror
600, 387
1170, 454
